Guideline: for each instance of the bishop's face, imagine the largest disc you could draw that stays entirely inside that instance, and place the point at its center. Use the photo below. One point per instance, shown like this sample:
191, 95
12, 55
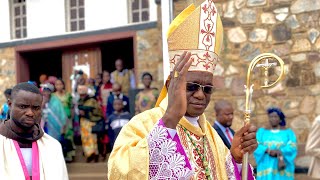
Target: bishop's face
197, 99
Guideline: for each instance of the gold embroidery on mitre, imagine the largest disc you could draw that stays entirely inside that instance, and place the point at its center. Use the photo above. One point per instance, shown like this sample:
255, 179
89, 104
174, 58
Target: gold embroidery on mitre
199, 31
201, 60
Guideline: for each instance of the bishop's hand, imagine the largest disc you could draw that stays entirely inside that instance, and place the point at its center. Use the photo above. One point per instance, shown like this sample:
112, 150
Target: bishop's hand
177, 98
244, 140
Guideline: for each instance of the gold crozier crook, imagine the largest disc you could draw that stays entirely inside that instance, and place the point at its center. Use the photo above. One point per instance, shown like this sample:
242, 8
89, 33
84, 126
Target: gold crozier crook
266, 57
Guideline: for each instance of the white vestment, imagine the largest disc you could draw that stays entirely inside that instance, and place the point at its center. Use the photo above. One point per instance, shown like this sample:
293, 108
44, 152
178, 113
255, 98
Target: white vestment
51, 160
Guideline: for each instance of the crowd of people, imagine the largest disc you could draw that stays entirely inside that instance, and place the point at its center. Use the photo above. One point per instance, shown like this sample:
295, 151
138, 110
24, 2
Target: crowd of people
93, 112
275, 154
172, 140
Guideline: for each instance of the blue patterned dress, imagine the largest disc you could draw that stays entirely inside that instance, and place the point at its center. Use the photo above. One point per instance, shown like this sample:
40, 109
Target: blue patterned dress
267, 166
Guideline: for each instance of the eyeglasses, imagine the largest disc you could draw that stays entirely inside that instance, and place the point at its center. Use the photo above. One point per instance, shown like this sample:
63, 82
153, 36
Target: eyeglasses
193, 87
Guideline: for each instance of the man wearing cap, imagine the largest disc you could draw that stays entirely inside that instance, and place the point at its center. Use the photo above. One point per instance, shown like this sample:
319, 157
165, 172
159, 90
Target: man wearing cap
174, 140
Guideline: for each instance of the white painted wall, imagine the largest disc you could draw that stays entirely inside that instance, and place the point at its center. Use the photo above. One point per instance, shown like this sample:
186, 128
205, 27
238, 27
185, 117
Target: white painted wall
153, 10
101, 14
4, 21
45, 18
48, 17
165, 20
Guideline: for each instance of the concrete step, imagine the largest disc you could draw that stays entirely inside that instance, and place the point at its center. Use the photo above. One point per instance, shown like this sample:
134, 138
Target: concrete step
79, 155
74, 168
88, 176
302, 177
82, 171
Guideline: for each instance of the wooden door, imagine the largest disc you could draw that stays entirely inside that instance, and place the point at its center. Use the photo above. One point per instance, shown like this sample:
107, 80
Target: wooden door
88, 60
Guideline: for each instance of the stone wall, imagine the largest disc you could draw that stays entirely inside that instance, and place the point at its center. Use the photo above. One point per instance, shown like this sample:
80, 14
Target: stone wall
288, 28
149, 56
7, 71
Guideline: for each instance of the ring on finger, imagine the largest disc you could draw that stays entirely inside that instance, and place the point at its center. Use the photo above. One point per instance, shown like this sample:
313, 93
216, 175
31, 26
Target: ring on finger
176, 74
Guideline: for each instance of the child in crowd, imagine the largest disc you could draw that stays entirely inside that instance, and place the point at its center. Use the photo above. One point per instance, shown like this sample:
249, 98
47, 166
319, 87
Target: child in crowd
117, 120
105, 90
117, 94
91, 89
5, 108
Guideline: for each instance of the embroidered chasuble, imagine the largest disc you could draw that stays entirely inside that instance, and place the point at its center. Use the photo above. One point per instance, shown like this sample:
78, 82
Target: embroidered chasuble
144, 149
197, 135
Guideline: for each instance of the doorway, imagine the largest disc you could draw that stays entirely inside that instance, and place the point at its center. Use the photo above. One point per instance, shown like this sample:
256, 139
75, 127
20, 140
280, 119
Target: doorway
47, 62
52, 57
117, 49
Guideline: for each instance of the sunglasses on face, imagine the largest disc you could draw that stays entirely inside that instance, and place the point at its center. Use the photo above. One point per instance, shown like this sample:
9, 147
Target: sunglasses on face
193, 87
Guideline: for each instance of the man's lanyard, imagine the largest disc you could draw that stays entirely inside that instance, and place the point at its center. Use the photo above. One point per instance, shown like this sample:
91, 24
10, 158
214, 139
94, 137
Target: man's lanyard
35, 161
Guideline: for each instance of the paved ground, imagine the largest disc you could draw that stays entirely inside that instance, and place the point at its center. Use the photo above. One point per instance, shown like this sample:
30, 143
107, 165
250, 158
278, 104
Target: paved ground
97, 171
303, 177
80, 170
87, 171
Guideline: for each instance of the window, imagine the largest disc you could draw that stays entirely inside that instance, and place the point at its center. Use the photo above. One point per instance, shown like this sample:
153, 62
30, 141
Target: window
75, 15
138, 10
18, 19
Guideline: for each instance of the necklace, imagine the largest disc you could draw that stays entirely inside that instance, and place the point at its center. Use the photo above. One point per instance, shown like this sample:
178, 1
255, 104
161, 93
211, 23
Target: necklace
202, 156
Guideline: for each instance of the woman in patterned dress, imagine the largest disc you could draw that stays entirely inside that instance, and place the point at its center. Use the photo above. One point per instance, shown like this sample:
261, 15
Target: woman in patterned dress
105, 90
277, 149
66, 100
90, 113
147, 98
